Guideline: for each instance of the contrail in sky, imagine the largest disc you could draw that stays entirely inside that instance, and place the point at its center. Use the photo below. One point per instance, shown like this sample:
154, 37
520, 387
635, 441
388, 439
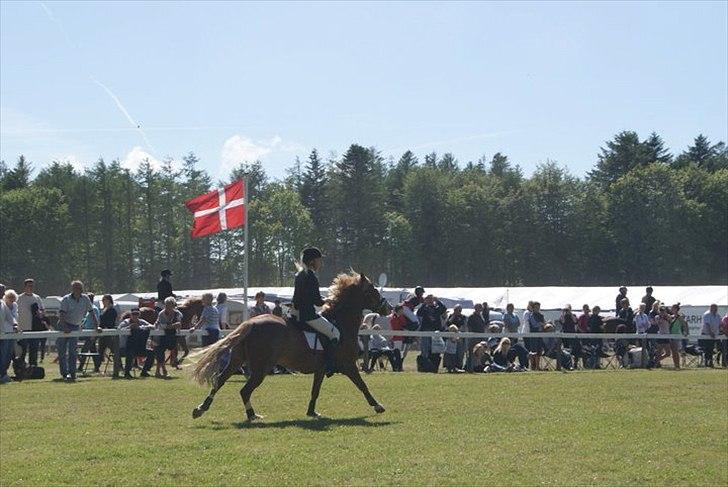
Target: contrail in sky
108, 91
124, 111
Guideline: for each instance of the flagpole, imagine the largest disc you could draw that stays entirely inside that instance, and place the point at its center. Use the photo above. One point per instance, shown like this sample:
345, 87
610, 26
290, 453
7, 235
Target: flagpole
247, 248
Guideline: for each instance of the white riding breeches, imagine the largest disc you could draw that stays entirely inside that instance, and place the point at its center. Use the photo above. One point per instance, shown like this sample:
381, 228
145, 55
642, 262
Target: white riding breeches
410, 314
325, 327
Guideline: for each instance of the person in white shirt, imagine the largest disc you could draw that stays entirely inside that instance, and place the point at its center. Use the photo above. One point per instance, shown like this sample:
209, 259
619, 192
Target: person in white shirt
8, 324
222, 310
378, 346
25, 303
711, 328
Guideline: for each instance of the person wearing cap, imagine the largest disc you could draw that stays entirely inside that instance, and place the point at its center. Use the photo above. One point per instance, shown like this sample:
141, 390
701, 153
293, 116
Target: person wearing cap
306, 296
136, 343
618, 300
164, 287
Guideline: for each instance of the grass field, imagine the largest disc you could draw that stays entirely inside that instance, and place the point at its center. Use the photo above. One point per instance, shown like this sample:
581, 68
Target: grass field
592, 427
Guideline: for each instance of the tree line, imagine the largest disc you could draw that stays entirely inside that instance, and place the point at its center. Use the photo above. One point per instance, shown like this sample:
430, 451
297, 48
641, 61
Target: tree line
642, 215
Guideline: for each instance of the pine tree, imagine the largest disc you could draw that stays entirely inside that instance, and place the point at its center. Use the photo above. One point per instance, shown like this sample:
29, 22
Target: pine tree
19, 176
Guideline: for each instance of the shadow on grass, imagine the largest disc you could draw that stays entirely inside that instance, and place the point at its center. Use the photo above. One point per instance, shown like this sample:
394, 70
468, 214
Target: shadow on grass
311, 424
314, 424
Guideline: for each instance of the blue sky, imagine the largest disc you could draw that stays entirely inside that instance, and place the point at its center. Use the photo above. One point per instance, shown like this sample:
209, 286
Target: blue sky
231, 81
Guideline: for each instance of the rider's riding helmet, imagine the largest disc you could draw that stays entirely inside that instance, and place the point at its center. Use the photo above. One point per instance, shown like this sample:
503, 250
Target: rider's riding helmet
310, 254
419, 291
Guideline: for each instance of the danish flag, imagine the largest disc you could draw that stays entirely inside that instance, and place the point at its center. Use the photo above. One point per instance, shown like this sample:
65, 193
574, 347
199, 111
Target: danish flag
218, 210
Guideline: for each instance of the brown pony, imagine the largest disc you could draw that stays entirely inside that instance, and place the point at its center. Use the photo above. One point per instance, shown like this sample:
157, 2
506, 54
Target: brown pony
267, 340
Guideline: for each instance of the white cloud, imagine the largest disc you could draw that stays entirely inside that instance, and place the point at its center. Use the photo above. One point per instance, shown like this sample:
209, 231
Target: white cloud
137, 156
239, 149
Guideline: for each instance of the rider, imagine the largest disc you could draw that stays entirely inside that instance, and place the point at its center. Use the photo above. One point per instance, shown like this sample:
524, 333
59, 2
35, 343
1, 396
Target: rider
164, 289
306, 295
412, 302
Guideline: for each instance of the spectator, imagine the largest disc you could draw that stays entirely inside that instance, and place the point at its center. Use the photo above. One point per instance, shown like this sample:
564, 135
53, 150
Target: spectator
500, 361
662, 321
397, 320
40, 323
642, 324
451, 351
481, 358
625, 314
378, 347
2, 290
510, 320
724, 342
169, 321
412, 302
136, 343
679, 326
641, 320
648, 299
554, 349
164, 288
621, 347
526, 319
711, 328
486, 313
74, 307
458, 319
277, 310
536, 323
25, 303
583, 320
89, 343
568, 323
222, 310
476, 324
209, 321
260, 307
596, 325
618, 300
107, 321
430, 315
367, 324
8, 324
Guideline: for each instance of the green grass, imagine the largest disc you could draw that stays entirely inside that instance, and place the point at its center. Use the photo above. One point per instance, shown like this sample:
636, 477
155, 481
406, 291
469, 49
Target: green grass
592, 427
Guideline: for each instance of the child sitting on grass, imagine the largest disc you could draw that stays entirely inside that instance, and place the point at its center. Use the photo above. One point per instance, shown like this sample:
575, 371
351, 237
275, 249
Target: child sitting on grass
451, 352
500, 361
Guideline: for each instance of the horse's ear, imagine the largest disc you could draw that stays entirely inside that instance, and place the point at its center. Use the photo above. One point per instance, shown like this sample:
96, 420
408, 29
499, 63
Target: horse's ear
362, 279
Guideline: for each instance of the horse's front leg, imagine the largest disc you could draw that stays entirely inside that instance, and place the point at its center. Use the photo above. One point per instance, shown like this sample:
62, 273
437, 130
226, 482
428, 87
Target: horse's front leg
318, 378
353, 373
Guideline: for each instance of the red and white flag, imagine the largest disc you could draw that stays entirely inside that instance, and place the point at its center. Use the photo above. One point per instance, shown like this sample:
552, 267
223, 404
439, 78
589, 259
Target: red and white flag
218, 210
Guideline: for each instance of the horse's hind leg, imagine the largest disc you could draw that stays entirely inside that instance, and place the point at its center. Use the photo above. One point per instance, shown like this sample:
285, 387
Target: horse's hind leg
255, 379
353, 373
217, 384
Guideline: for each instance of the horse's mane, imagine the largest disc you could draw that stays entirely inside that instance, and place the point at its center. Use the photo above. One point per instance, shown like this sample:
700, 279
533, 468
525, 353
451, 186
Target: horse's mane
340, 287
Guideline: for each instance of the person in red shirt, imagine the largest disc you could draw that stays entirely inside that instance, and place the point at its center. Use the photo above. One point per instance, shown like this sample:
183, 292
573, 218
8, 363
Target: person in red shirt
583, 320
397, 321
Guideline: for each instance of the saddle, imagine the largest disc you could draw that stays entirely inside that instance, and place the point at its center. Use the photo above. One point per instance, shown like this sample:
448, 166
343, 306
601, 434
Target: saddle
311, 336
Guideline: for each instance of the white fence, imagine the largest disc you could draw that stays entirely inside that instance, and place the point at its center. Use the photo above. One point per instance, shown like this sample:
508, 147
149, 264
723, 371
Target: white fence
29, 335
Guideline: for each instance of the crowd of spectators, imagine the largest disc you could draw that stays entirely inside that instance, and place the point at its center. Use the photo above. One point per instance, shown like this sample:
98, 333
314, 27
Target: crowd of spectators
420, 311
424, 312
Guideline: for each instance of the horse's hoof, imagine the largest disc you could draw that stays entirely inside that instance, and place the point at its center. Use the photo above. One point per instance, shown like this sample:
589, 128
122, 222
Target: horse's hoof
196, 413
254, 417
313, 414
379, 408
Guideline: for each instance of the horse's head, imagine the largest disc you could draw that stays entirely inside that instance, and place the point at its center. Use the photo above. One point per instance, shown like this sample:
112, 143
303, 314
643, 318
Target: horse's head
352, 293
373, 300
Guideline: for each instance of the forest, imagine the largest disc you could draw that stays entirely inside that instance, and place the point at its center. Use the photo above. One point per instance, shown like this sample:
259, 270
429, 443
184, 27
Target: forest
642, 215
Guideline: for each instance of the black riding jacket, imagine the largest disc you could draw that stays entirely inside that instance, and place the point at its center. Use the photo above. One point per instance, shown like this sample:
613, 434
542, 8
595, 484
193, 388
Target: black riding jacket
307, 295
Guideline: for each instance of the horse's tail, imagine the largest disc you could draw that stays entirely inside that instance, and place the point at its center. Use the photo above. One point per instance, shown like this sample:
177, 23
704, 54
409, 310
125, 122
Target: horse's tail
217, 357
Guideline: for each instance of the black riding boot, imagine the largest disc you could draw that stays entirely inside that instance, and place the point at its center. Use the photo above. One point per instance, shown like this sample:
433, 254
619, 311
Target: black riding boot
329, 354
